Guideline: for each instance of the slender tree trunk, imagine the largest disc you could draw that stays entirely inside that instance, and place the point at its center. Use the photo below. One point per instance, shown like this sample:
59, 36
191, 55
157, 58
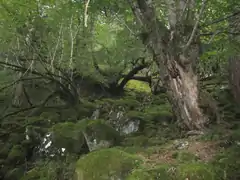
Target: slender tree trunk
234, 60
176, 51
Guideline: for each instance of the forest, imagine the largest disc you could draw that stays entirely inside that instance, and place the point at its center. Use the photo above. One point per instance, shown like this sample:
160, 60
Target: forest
119, 89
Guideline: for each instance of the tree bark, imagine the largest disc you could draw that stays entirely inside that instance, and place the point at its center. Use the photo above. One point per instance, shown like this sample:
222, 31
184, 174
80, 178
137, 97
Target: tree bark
234, 60
175, 51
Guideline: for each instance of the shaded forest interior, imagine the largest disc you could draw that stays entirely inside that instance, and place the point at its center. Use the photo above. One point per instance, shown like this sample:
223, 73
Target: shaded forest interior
120, 90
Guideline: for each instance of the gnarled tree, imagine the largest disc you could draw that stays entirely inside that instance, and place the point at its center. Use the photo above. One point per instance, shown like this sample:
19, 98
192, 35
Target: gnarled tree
175, 46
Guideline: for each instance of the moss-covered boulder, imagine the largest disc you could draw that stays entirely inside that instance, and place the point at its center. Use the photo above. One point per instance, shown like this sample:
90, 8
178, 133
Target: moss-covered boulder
99, 129
73, 136
106, 164
67, 135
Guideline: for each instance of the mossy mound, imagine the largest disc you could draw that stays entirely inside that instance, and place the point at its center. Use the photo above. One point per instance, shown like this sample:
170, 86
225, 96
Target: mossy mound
99, 129
70, 135
106, 164
67, 135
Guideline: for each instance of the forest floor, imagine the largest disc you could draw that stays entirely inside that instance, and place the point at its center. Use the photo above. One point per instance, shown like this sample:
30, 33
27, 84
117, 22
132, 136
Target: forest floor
204, 151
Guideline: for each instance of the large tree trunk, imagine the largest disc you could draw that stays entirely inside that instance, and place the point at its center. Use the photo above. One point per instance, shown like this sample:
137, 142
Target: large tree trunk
176, 51
183, 93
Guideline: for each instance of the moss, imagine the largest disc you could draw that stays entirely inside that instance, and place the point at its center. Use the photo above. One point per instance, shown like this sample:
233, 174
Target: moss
165, 172
155, 112
136, 141
14, 174
135, 115
132, 149
184, 156
51, 170
138, 86
159, 172
227, 163
99, 129
139, 175
126, 102
53, 116
40, 173
16, 138
6, 148
196, 171
86, 109
33, 174
106, 164
17, 153
67, 135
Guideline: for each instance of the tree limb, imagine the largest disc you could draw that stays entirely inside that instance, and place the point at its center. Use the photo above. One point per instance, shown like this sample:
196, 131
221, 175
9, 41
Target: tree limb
220, 19
196, 25
131, 74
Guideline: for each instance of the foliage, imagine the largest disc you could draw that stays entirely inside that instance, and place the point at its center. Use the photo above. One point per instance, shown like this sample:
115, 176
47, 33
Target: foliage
55, 72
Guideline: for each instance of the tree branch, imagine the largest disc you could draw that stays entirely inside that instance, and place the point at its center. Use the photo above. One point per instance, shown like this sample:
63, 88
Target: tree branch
142, 78
220, 19
196, 25
130, 75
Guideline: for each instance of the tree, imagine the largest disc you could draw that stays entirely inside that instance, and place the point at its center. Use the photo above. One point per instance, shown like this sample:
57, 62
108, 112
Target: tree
175, 47
234, 59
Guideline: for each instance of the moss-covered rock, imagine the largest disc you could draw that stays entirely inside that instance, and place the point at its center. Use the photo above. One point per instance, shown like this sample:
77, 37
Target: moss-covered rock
67, 135
100, 130
106, 164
